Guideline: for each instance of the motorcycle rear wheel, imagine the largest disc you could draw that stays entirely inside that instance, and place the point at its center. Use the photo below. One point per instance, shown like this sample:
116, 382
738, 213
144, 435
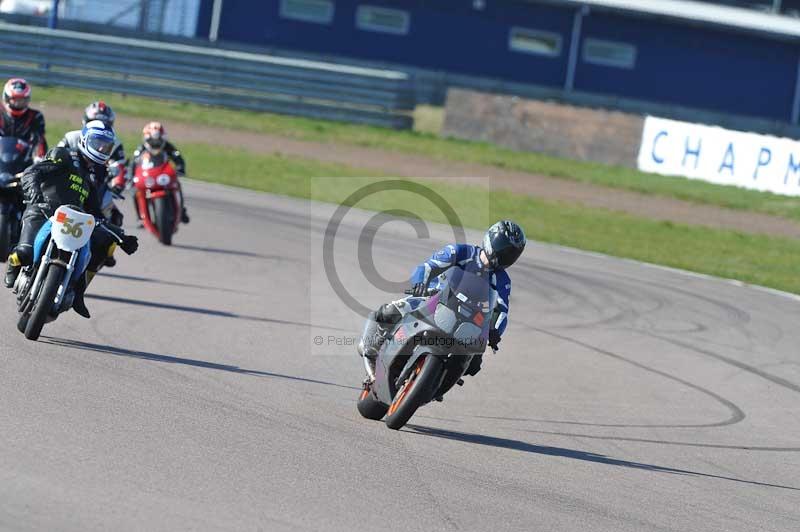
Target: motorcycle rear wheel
415, 392
44, 301
369, 407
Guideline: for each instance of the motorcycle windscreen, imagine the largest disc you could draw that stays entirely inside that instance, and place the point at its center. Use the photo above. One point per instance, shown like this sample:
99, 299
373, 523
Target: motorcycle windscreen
471, 299
12, 154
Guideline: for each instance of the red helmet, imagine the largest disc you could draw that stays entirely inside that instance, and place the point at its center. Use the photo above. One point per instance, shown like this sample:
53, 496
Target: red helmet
16, 96
154, 137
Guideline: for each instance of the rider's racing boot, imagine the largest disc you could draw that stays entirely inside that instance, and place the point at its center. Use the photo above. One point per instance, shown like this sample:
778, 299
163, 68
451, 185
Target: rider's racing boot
110, 261
78, 304
184, 216
12, 270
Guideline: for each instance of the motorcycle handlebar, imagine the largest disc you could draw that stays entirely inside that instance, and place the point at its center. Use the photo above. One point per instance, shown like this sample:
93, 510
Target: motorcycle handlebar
428, 292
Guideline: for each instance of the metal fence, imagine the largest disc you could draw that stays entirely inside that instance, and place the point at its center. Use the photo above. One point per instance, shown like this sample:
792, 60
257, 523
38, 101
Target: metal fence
208, 76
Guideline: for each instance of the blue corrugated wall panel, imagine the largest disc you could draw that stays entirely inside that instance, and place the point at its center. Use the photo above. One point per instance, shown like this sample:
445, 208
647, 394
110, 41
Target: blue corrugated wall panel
691, 66
447, 35
694, 67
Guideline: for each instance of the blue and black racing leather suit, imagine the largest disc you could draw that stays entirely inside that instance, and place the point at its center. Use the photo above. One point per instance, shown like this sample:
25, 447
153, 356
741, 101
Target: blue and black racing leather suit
467, 257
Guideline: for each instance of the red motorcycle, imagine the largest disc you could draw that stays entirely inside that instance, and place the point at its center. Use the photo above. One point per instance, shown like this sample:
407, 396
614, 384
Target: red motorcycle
157, 196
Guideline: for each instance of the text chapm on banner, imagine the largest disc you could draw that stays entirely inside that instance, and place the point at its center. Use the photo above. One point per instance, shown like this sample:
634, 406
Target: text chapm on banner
721, 156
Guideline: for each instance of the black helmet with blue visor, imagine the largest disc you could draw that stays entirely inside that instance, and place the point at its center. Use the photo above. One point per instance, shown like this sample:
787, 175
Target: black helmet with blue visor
503, 243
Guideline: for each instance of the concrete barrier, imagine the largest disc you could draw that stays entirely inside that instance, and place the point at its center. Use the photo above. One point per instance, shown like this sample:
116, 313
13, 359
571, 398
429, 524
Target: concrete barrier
609, 137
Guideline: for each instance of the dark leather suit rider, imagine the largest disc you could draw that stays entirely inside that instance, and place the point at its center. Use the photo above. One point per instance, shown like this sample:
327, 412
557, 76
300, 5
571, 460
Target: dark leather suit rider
65, 177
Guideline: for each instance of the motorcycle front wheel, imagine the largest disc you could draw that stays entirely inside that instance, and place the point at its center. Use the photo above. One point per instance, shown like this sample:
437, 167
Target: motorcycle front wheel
164, 208
44, 301
415, 391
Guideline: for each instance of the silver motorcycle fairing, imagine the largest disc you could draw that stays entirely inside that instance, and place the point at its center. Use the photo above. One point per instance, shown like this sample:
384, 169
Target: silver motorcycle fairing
393, 350
452, 324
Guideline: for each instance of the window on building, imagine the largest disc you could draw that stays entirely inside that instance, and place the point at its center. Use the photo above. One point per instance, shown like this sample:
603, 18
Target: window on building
531, 41
317, 11
383, 20
609, 53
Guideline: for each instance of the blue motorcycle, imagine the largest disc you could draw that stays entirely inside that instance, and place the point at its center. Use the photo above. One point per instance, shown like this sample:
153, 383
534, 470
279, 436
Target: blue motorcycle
61, 255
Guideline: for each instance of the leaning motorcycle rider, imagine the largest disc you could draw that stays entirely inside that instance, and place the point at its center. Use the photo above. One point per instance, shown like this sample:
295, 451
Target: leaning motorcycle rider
66, 177
502, 245
18, 120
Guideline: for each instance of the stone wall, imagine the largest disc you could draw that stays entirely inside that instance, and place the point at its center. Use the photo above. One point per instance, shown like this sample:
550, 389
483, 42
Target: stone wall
557, 129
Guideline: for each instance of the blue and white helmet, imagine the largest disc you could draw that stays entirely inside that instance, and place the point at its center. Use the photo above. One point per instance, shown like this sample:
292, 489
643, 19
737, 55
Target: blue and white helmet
97, 141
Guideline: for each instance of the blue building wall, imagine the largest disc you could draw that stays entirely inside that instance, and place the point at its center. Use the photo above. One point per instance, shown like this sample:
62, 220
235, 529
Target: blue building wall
675, 63
695, 67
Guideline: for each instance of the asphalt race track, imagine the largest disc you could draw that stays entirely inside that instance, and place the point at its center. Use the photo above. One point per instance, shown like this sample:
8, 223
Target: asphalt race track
624, 397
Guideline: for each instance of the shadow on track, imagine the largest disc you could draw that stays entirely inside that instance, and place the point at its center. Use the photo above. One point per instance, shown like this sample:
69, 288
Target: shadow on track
206, 311
168, 359
233, 252
573, 454
152, 280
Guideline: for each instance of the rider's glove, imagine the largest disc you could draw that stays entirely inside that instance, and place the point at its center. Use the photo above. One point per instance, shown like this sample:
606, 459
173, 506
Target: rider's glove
129, 244
494, 339
419, 289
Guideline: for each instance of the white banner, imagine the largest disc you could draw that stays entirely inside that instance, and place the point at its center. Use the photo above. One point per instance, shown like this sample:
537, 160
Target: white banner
720, 156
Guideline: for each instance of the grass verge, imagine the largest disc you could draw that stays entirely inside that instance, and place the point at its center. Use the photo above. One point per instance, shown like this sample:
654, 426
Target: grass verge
430, 145
754, 259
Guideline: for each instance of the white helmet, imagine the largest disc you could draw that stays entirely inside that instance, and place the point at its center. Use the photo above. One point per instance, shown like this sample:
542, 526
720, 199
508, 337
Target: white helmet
97, 141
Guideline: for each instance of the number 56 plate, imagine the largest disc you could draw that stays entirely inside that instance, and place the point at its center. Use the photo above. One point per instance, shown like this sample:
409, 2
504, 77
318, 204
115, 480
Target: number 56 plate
71, 229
